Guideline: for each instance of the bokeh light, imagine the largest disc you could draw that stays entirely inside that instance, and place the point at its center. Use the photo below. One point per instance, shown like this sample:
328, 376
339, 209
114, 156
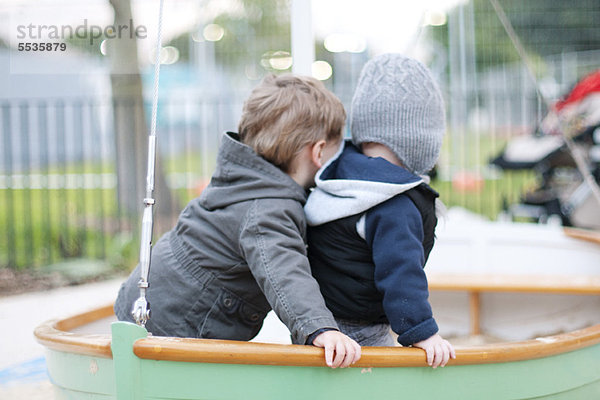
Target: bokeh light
168, 55
213, 32
104, 47
321, 70
345, 42
279, 60
435, 18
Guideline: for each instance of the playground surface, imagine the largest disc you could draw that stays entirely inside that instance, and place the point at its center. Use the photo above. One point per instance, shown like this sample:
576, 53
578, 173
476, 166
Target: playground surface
23, 373
22, 364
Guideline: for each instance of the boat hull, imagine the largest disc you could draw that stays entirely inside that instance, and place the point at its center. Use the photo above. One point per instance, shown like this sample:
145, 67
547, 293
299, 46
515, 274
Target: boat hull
127, 363
570, 375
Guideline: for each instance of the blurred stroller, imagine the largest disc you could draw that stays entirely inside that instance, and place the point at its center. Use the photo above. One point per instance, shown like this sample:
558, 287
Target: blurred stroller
562, 195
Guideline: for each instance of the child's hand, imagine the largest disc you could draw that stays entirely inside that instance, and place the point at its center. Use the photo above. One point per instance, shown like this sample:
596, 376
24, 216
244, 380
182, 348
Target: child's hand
346, 350
438, 350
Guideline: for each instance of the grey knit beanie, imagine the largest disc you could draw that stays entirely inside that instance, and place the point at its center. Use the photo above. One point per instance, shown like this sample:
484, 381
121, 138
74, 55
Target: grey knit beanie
397, 103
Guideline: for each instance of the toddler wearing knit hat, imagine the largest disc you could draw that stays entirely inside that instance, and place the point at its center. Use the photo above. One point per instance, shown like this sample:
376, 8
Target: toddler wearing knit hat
372, 215
398, 104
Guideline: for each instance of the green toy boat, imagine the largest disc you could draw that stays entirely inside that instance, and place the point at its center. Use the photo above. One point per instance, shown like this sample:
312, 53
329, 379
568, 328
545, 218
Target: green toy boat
129, 364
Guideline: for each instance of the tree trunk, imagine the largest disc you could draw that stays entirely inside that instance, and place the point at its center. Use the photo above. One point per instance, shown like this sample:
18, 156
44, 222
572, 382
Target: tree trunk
131, 132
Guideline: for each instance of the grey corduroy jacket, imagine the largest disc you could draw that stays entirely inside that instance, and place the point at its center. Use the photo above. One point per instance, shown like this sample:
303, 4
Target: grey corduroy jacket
236, 252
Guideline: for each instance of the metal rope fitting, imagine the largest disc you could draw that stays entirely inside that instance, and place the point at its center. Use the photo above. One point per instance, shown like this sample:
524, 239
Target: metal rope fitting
141, 311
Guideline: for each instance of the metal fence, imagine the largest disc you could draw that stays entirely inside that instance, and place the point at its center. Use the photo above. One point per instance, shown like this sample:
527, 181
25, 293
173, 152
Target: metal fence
59, 170
59, 173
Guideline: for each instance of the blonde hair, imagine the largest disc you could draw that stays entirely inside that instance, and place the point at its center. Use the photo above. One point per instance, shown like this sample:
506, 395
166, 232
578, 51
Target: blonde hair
287, 112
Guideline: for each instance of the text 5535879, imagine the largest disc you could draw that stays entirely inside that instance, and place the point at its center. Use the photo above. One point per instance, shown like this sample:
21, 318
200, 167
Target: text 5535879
36, 46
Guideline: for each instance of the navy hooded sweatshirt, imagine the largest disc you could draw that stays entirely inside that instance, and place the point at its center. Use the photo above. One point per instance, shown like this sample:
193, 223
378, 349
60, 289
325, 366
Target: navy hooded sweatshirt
371, 228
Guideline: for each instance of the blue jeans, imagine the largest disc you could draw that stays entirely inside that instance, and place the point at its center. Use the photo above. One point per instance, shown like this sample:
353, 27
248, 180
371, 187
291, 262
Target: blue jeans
366, 333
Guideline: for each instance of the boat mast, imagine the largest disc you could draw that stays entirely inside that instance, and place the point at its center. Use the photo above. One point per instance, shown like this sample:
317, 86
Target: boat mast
141, 307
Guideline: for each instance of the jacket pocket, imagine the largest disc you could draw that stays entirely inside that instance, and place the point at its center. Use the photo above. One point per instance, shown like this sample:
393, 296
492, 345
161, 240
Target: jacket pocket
231, 317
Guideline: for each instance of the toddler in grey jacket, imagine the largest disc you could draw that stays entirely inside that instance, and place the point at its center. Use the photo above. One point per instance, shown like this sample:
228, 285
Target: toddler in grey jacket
239, 250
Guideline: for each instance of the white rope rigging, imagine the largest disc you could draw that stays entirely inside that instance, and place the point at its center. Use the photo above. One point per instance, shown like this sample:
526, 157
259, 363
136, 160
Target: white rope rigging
156, 79
141, 307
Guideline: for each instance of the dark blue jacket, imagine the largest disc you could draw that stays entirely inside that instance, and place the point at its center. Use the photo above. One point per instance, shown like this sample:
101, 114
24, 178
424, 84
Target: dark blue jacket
371, 227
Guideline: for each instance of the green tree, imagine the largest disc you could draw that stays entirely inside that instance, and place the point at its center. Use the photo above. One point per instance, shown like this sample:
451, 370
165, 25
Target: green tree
253, 31
256, 28
545, 27
85, 45
131, 133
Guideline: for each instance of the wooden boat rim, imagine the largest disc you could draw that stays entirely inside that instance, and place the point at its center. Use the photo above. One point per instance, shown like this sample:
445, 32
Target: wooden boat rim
56, 335
587, 235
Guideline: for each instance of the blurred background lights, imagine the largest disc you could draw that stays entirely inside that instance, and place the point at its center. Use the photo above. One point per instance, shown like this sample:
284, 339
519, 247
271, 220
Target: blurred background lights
435, 18
104, 47
198, 36
168, 55
345, 42
321, 70
213, 32
279, 60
